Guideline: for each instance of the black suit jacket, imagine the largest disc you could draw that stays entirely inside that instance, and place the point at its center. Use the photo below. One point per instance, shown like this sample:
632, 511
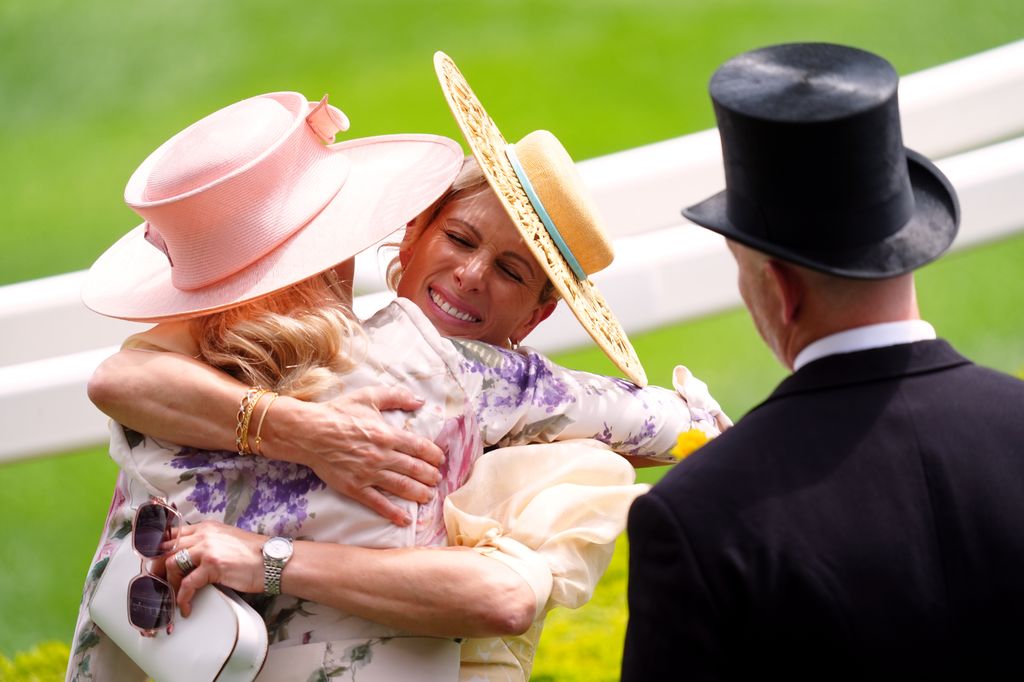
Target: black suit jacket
865, 522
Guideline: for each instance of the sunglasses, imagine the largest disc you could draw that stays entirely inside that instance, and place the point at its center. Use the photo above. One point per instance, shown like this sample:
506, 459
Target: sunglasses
150, 597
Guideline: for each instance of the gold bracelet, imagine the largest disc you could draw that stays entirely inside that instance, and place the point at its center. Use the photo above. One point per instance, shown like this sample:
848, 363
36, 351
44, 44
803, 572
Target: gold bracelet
245, 407
257, 441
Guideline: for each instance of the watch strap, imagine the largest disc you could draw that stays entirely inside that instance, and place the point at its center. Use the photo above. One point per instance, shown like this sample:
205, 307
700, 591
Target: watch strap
273, 566
272, 576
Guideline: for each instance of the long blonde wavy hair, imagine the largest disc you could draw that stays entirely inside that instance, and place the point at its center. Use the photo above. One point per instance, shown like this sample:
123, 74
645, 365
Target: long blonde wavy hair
296, 342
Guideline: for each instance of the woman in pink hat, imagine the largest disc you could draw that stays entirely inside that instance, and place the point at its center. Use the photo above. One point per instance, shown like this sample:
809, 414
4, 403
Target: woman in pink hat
242, 210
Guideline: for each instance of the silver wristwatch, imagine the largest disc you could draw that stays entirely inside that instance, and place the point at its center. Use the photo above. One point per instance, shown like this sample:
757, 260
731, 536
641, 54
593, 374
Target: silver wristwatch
276, 553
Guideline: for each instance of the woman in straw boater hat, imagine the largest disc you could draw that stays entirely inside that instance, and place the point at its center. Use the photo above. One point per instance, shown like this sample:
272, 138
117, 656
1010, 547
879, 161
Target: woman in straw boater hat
472, 593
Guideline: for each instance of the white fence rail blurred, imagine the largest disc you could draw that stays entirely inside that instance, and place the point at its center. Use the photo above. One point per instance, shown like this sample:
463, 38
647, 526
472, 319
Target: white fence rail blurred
967, 115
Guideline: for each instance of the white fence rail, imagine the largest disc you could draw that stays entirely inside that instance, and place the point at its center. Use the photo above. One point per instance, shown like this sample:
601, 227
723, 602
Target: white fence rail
967, 115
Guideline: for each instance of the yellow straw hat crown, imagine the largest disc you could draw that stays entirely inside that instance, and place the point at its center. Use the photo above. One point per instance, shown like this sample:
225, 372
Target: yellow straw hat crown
553, 177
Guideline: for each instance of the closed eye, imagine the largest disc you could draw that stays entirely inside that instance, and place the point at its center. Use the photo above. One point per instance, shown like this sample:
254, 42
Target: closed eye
511, 273
458, 239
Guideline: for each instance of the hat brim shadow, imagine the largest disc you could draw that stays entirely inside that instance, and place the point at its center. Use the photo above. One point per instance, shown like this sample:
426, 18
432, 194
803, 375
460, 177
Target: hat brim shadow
928, 233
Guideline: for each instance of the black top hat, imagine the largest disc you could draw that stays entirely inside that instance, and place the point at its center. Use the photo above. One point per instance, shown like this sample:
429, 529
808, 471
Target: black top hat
815, 168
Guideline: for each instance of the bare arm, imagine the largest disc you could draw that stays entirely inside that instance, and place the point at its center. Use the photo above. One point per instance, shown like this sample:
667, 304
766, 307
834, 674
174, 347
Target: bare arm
345, 441
169, 396
442, 591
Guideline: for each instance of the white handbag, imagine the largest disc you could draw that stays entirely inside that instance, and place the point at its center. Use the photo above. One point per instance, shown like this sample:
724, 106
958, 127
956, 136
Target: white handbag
223, 639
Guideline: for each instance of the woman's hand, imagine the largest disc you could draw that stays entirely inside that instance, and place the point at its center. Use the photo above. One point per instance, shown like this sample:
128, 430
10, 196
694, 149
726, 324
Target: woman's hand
354, 450
221, 554
698, 398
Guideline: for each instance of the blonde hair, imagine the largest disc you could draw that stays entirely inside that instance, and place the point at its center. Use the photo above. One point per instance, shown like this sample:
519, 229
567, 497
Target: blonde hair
469, 182
295, 342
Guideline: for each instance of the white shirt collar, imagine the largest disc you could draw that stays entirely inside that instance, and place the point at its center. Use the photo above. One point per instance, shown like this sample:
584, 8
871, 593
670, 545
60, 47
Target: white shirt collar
863, 338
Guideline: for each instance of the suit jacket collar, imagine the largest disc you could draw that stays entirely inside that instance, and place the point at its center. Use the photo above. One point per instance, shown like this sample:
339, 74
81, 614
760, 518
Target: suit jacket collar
860, 367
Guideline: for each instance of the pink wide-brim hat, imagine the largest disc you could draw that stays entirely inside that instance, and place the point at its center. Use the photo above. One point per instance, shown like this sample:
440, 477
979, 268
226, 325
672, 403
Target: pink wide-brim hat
254, 198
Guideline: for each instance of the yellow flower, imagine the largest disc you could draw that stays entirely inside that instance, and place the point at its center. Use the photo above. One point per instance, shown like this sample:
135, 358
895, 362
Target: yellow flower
687, 442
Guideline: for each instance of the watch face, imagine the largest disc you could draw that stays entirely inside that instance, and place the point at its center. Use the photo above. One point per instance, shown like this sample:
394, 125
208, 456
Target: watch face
277, 548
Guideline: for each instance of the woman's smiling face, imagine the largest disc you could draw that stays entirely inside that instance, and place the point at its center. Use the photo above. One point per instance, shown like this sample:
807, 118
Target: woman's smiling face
472, 275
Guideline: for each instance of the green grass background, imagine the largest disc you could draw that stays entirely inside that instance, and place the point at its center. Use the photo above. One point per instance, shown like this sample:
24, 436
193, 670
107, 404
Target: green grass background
88, 89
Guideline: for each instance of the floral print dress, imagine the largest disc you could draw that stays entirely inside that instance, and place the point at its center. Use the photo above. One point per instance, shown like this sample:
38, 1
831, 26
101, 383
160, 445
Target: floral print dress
476, 396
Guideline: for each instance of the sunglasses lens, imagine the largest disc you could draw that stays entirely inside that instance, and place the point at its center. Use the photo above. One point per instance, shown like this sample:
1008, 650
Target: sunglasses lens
150, 603
154, 525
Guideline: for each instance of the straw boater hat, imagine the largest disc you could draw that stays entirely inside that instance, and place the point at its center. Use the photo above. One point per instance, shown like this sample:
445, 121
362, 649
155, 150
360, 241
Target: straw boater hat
539, 186
254, 198
815, 168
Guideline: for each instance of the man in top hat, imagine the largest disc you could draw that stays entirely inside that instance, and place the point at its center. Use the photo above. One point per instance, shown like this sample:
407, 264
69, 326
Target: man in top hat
865, 521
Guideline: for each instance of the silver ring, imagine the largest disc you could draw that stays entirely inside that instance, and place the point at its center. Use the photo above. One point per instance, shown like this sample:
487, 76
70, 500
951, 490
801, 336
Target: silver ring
184, 561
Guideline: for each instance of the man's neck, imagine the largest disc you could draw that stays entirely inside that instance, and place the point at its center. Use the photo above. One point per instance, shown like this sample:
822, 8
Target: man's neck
863, 338
846, 305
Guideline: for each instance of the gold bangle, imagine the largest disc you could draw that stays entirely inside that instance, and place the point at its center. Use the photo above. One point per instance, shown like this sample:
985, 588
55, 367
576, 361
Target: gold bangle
258, 440
245, 407
249, 450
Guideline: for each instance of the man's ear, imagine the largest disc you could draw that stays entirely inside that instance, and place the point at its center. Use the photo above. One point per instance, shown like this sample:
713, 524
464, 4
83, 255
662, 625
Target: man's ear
540, 313
788, 286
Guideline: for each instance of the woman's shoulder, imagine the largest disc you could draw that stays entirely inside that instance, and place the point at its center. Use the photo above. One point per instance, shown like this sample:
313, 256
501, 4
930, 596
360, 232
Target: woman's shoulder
401, 342
402, 325
174, 337
399, 313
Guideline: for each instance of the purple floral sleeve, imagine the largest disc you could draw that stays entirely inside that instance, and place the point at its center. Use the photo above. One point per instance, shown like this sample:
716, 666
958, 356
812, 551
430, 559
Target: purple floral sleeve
524, 397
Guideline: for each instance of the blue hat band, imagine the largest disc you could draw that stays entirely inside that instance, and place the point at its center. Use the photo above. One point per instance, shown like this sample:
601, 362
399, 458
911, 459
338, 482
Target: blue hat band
549, 224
